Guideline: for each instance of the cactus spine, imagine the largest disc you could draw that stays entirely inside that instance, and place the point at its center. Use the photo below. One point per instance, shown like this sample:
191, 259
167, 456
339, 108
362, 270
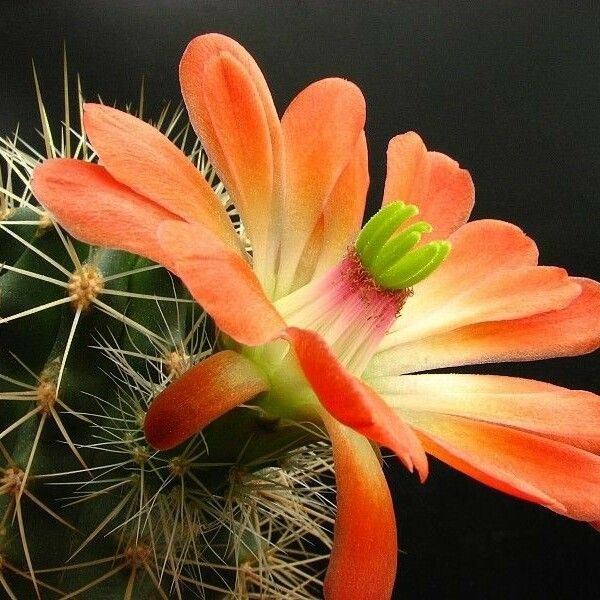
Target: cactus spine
88, 336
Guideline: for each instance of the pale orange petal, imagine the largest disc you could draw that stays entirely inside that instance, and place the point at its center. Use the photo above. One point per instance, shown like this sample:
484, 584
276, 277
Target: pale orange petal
243, 144
343, 213
208, 390
408, 170
490, 263
97, 209
143, 159
568, 416
497, 296
191, 73
433, 181
340, 221
352, 402
563, 478
479, 249
571, 331
321, 128
222, 282
365, 547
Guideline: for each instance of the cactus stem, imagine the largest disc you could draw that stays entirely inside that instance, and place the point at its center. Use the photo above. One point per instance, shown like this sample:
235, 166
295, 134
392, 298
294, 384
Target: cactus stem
36, 309
39, 276
3, 581
95, 582
8, 566
37, 251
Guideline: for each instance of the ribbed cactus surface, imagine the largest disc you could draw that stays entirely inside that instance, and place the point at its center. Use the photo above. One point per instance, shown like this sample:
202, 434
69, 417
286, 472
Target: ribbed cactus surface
88, 337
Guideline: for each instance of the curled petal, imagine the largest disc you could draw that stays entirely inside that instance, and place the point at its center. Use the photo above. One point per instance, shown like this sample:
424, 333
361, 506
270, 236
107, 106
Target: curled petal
572, 331
222, 282
94, 207
205, 392
352, 402
433, 181
142, 158
231, 110
365, 547
408, 170
321, 128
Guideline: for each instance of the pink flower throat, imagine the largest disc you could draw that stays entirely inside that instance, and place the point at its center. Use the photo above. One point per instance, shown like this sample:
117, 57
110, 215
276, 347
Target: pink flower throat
348, 309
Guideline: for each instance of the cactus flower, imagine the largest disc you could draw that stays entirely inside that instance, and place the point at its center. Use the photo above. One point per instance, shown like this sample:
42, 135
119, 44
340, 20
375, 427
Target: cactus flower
320, 321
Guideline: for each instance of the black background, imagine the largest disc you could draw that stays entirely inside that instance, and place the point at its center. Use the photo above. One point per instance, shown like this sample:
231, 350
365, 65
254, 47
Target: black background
509, 89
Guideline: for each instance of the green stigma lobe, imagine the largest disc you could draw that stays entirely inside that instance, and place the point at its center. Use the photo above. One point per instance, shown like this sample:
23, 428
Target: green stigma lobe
392, 260
380, 228
398, 246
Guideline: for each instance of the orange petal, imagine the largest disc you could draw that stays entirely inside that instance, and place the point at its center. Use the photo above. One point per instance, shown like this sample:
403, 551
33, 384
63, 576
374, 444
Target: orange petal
352, 402
479, 249
408, 170
205, 392
497, 295
572, 331
222, 282
551, 473
142, 158
343, 213
433, 181
191, 73
243, 146
95, 208
321, 128
365, 547
568, 416
315, 246
340, 220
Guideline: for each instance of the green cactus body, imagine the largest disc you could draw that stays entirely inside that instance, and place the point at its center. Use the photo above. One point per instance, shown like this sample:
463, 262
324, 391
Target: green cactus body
88, 337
